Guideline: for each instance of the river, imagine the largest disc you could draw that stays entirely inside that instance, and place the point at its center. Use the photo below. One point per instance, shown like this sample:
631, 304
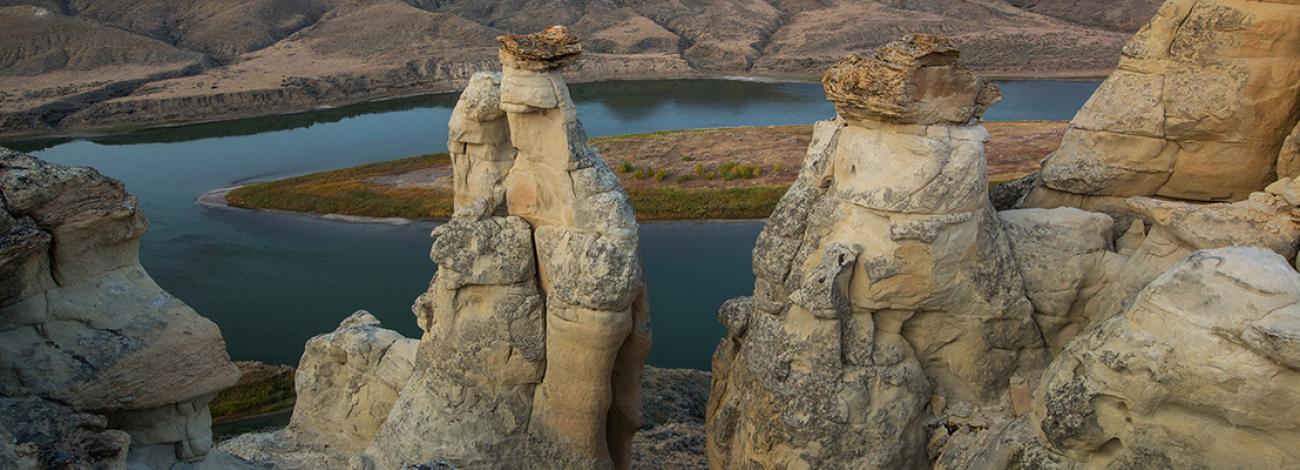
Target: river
271, 281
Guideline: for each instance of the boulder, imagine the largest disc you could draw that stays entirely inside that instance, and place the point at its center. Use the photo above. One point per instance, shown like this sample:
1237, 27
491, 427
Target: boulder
912, 81
1195, 374
1203, 98
347, 381
346, 384
884, 283
1178, 228
82, 323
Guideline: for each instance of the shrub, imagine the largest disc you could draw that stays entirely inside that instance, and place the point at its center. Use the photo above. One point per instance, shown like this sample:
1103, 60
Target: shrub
625, 167
778, 168
661, 175
684, 178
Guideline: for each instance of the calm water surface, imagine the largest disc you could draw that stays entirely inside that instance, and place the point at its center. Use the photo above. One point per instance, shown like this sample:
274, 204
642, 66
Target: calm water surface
272, 281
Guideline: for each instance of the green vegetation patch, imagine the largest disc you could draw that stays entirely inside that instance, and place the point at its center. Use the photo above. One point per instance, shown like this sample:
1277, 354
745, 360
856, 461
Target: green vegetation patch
270, 395
672, 203
352, 191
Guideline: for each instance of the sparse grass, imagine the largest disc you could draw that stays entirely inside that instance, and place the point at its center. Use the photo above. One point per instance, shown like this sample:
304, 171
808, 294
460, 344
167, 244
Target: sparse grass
349, 191
660, 186
269, 395
670, 203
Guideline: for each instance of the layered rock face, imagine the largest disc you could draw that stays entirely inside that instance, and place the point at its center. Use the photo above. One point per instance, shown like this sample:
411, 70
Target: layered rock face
1202, 371
536, 325
87, 339
1203, 98
1174, 323
885, 281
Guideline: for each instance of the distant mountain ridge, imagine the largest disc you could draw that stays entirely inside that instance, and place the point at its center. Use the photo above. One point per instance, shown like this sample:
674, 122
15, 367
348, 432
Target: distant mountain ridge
83, 65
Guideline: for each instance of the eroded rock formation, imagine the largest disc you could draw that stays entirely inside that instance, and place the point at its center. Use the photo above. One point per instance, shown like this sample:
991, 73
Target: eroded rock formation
90, 346
539, 269
884, 280
1202, 370
1204, 95
536, 324
898, 322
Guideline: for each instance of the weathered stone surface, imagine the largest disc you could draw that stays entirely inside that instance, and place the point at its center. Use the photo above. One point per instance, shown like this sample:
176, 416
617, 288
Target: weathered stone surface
884, 281
553, 45
1182, 379
914, 80
346, 385
1062, 255
40, 434
1204, 96
82, 324
1177, 229
347, 382
478, 141
536, 325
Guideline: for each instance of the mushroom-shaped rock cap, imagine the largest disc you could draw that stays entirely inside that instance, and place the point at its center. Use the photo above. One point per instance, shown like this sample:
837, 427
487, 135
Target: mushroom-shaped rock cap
914, 80
553, 47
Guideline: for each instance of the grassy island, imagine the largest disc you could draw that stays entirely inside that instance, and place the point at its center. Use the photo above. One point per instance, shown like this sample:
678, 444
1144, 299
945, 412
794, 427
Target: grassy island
729, 173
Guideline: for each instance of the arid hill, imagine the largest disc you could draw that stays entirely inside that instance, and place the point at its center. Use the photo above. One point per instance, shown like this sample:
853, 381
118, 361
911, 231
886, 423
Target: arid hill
79, 65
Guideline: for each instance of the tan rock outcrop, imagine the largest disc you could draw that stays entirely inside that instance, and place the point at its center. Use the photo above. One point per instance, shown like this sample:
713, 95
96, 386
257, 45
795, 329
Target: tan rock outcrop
1198, 110
1200, 372
885, 283
1063, 255
1177, 229
536, 325
915, 81
347, 382
82, 324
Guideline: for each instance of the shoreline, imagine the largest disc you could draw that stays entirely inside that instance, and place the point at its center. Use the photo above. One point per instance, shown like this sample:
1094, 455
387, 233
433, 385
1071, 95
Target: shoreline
88, 132
681, 176
216, 199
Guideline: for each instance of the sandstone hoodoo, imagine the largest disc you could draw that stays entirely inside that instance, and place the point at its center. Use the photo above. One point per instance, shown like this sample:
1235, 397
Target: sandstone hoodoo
536, 326
99, 367
1204, 95
1146, 316
899, 322
885, 282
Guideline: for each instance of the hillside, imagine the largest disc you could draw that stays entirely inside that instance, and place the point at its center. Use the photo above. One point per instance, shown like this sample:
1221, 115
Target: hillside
75, 66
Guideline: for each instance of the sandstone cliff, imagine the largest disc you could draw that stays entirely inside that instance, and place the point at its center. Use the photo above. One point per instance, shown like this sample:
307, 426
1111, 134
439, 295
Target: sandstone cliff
94, 356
